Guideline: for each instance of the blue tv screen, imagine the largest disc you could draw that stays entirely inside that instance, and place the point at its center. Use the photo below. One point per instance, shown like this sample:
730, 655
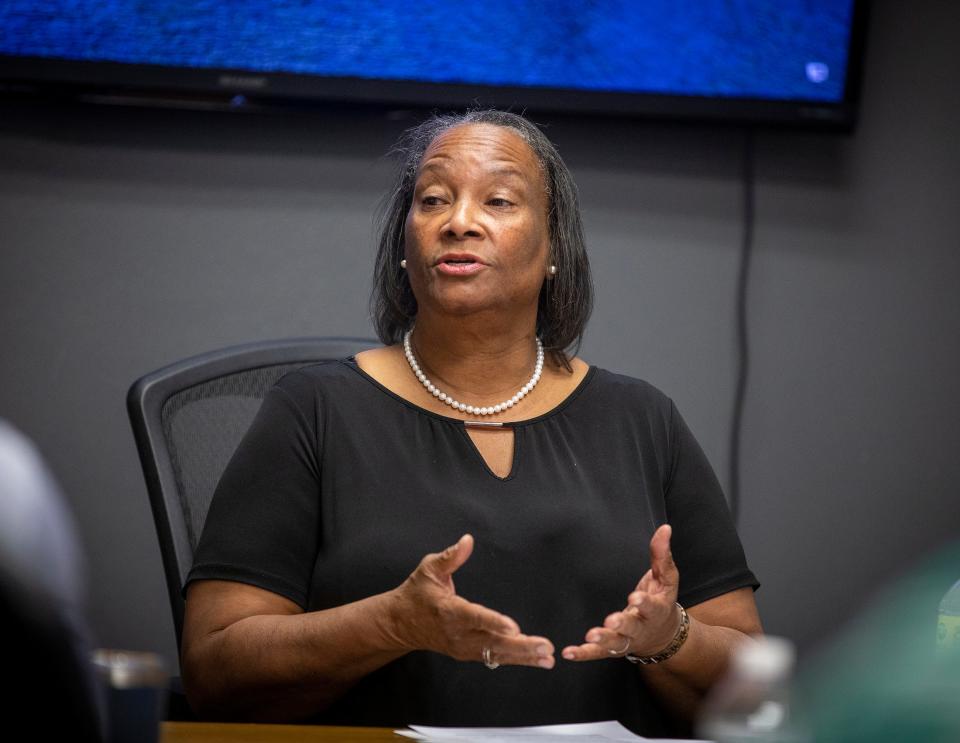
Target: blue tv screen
605, 56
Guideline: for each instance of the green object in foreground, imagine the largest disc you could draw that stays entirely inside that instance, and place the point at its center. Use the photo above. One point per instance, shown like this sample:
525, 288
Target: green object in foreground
888, 676
948, 625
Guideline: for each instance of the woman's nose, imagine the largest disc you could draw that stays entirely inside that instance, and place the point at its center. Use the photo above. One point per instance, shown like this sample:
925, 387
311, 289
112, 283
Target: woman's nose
463, 220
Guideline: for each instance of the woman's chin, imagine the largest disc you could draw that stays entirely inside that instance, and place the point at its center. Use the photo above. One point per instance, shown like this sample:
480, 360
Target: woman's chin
458, 301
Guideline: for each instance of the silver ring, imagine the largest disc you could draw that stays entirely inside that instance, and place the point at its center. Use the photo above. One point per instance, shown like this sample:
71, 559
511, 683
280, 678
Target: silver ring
621, 652
488, 660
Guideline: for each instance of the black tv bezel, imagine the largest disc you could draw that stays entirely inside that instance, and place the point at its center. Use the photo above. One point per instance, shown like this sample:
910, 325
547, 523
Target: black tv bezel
244, 90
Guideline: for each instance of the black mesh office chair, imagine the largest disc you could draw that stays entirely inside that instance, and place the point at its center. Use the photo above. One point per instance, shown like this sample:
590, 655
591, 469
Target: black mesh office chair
188, 419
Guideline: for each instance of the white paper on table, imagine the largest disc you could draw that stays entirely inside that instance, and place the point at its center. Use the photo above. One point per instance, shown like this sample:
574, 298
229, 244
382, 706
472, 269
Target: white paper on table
591, 732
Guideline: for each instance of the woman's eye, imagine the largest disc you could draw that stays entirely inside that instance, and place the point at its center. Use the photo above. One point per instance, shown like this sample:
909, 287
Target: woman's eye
431, 200
500, 202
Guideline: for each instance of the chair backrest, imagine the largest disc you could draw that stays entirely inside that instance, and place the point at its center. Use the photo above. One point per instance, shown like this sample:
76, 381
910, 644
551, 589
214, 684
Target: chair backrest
189, 417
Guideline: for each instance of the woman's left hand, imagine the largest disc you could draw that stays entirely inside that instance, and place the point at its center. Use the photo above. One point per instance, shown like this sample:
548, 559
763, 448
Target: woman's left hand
651, 618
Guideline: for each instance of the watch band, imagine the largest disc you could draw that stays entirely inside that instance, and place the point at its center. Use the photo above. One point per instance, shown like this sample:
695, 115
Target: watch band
671, 649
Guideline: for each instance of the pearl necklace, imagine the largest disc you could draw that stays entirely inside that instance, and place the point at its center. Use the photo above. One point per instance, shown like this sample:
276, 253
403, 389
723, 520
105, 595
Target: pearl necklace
462, 407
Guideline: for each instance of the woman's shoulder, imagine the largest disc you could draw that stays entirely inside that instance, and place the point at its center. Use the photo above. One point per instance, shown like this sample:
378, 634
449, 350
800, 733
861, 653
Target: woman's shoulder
626, 407
630, 388
318, 378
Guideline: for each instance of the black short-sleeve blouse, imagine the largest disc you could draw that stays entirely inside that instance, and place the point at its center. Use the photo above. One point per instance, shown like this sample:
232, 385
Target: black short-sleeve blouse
340, 487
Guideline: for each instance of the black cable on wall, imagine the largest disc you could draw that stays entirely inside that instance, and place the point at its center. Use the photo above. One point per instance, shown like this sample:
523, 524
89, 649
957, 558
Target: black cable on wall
742, 334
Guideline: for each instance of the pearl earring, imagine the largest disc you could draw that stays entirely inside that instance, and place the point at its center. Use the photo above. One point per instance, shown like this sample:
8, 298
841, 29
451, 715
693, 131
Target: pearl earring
553, 270
403, 264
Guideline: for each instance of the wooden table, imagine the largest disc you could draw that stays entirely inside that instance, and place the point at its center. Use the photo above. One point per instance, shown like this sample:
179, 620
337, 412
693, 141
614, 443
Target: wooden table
230, 732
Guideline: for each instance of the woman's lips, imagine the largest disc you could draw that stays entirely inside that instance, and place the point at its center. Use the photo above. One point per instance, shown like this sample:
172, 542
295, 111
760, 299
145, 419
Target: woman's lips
459, 267
459, 263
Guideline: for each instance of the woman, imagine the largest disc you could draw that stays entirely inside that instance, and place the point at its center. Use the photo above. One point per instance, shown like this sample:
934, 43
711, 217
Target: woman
552, 481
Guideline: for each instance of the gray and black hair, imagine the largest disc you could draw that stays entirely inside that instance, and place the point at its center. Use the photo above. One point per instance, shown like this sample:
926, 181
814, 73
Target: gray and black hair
565, 301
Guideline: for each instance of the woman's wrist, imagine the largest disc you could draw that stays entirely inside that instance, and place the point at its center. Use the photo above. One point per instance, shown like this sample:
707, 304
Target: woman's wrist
671, 649
390, 614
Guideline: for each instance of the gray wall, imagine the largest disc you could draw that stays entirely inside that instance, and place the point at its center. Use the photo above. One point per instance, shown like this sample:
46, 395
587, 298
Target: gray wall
131, 239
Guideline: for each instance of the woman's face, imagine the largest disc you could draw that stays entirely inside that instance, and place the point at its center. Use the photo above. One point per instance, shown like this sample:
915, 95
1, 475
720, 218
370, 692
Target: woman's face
476, 234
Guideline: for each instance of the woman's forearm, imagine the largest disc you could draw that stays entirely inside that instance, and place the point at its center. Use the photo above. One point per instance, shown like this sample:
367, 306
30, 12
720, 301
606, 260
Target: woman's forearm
683, 680
245, 658
285, 668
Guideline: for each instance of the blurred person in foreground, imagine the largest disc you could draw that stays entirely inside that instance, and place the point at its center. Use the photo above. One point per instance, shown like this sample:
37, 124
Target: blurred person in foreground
42, 601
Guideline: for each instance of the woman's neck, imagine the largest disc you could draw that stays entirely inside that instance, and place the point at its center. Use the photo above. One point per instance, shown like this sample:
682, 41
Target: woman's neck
475, 360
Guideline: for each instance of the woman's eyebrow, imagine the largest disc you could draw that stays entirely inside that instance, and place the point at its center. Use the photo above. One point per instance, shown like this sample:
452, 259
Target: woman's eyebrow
438, 165
433, 164
508, 171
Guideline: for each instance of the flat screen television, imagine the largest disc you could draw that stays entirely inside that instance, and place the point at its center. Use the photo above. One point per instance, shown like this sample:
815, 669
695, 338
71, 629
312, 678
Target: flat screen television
760, 61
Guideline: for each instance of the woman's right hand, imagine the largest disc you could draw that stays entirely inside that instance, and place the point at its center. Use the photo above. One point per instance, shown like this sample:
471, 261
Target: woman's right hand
430, 615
